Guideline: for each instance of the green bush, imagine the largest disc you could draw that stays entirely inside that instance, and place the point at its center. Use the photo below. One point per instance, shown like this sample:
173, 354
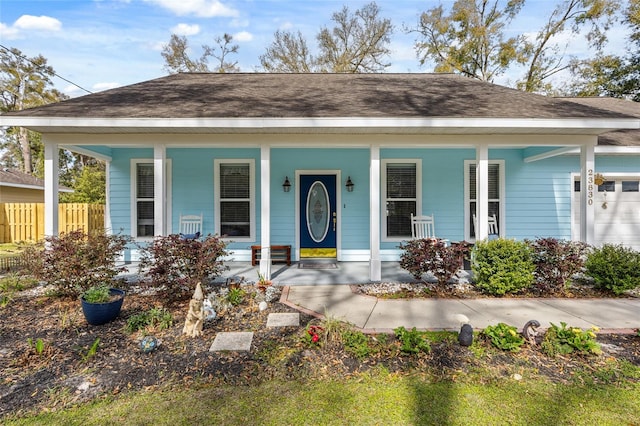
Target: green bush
564, 340
356, 343
156, 318
614, 268
502, 266
74, 261
505, 337
413, 341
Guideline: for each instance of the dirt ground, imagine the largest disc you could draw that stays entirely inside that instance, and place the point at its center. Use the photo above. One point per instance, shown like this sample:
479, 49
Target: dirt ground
64, 371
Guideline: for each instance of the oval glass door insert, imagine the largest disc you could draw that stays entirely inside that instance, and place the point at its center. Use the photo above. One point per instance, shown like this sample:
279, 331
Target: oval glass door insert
318, 214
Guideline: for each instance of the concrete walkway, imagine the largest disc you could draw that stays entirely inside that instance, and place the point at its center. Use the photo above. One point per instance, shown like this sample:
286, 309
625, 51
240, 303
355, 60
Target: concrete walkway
383, 315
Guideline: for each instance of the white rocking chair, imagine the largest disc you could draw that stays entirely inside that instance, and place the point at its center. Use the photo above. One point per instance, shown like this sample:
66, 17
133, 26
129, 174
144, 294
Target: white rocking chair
422, 227
191, 226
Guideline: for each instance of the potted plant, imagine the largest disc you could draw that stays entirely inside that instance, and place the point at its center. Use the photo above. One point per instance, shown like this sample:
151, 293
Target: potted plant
101, 304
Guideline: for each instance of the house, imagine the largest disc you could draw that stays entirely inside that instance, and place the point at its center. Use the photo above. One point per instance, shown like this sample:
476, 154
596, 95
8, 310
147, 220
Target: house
19, 187
335, 164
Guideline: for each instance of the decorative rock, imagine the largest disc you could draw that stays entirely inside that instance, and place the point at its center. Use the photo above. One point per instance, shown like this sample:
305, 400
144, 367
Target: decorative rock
465, 337
148, 344
263, 306
272, 294
517, 377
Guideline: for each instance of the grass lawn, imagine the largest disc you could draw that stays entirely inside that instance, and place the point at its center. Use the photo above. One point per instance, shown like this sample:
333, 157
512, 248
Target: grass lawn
379, 399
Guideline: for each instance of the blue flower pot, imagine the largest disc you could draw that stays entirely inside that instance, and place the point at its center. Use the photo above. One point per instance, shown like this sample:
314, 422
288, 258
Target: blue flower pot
102, 313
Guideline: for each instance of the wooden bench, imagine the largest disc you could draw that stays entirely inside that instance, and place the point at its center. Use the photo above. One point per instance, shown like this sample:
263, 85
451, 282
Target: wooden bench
278, 254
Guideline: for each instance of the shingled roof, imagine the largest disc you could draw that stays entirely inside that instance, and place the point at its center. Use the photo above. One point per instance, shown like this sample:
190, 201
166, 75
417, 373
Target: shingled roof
259, 95
628, 137
16, 178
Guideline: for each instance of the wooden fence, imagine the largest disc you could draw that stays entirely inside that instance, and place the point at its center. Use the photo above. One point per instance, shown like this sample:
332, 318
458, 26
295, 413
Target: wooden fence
25, 221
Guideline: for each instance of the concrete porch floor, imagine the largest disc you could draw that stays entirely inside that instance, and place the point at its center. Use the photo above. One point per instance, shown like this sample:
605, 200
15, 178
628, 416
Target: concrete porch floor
344, 273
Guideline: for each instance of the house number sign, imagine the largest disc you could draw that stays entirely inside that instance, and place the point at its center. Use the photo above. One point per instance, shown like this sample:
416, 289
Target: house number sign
590, 187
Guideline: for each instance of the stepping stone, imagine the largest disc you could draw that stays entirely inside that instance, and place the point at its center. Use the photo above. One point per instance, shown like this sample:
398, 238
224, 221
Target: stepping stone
232, 341
283, 320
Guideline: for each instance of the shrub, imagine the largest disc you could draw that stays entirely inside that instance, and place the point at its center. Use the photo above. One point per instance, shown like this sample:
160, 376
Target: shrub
356, 343
157, 318
175, 264
502, 266
505, 337
433, 255
556, 262
413, 341
614, 268
563, 340
74, 261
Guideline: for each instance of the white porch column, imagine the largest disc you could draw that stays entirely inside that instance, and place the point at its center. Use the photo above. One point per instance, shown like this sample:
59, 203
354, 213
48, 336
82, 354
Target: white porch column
159, 190
265, 211
482, 192
375, 264
51, 169
108, 226
587, 189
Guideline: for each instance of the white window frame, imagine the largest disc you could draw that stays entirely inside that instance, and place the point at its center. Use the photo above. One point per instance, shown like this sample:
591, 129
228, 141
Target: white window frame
467, 198
134, 205
383, 191
252, 197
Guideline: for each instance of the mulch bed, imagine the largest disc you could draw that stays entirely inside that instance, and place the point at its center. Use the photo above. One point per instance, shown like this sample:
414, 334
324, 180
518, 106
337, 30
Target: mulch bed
65, 373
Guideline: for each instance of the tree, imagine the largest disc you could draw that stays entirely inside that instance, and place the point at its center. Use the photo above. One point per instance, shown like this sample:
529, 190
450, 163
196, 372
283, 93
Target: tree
545, 58
612, 75
470, 40
177, 59
288, 54
24, 83
357, 43
89, 186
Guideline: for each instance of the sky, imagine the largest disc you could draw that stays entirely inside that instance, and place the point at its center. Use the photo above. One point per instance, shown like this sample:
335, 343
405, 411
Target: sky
102, 44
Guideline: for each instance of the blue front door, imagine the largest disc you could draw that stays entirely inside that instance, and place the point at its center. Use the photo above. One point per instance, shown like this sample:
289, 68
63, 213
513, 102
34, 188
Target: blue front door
318, 219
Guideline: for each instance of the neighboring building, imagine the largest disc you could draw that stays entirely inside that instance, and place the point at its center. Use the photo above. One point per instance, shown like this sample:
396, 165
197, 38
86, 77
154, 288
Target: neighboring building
19, 187
225, 145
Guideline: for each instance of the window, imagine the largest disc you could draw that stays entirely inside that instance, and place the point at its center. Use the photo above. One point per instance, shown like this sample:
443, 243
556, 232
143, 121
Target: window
234, 199
495, 193
607, 186
630, 186
143, 200
401, 188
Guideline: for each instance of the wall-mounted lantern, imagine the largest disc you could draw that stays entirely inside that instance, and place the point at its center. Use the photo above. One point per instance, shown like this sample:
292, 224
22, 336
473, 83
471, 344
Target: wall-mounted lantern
349, 184
286, 186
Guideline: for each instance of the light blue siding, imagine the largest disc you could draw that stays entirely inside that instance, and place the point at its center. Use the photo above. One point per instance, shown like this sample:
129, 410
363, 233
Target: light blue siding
537, 198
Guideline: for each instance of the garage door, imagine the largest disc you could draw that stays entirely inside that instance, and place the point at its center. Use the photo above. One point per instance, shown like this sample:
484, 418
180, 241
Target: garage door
617, 212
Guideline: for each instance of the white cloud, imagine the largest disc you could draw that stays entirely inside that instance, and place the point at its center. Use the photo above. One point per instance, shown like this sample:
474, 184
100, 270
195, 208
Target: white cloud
243, 36
38, 23
29, 23
8, 33
186, 29
200, 8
